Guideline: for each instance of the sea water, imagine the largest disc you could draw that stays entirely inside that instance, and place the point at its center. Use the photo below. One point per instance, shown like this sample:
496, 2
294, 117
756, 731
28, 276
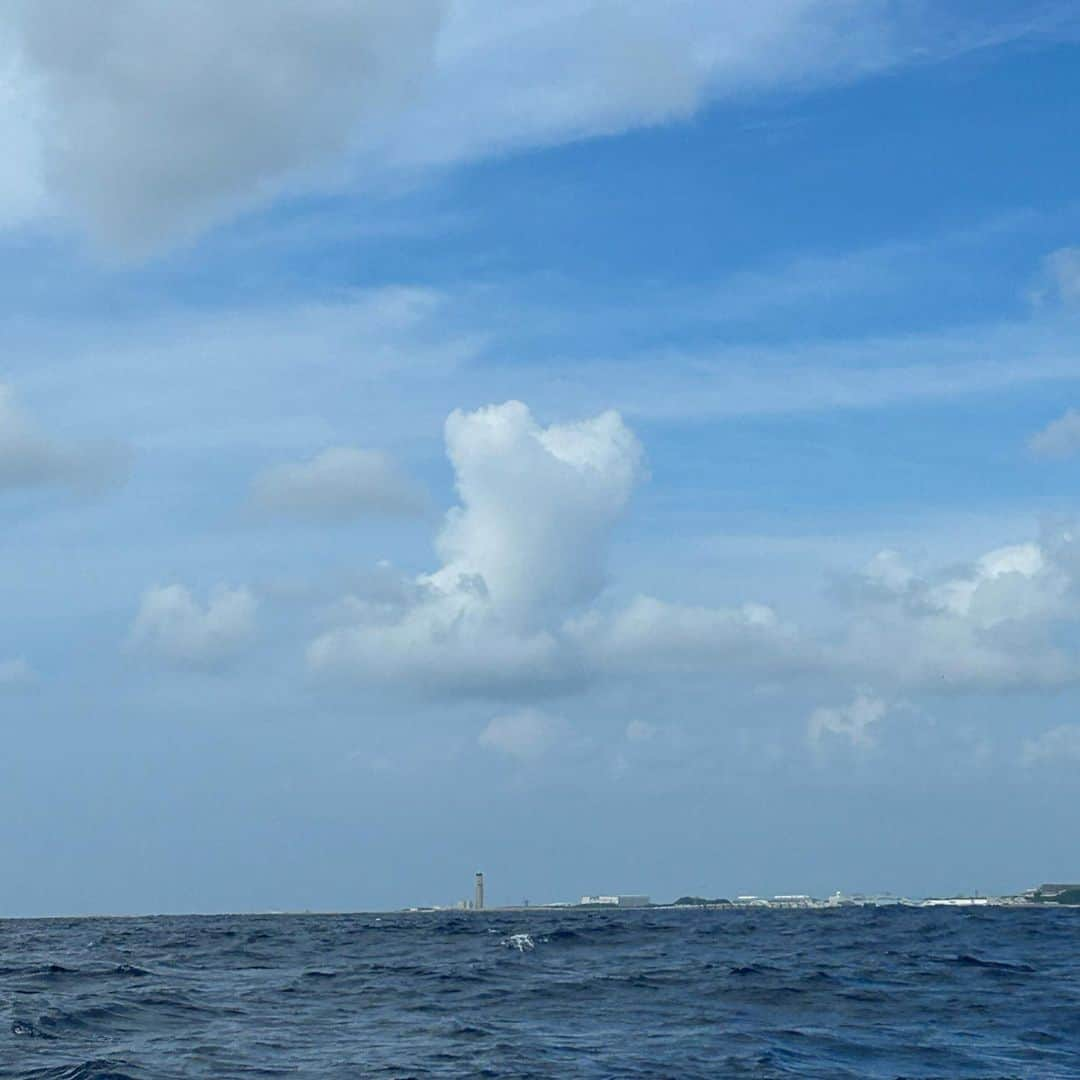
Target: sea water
858, 992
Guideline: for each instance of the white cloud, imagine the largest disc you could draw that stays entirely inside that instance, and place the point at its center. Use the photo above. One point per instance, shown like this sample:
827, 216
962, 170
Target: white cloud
1060, 438
1058, 745
22, 194
525, 548
888, 571
519, 608
992, 624
15, 673
340, 484
445, 645
527, 734
30, 458
512, 611
854, 722
158, 119
149, 121
650, 635
538, 507
620, 66
1060, 278
172, 627
1014, 582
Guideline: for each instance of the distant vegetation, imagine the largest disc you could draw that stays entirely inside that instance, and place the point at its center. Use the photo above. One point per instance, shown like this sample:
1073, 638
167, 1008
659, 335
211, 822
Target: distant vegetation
1065, 896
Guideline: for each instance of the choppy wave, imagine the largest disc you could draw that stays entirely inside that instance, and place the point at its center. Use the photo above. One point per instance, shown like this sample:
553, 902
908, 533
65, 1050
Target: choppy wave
848, 993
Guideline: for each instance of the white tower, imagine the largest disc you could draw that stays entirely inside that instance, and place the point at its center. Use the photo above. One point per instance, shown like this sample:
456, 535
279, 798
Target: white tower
478, 902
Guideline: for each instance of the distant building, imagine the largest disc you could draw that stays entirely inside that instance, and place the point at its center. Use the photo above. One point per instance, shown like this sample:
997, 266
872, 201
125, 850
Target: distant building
478, 902
633, 900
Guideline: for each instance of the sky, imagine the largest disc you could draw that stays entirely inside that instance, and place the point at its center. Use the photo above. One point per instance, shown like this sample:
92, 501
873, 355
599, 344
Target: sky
616, 447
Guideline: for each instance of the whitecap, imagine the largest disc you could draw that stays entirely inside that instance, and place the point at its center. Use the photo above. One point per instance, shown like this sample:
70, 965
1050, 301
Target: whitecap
521, 942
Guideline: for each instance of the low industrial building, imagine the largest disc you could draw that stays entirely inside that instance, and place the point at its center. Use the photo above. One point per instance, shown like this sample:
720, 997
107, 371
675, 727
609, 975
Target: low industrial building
622, 901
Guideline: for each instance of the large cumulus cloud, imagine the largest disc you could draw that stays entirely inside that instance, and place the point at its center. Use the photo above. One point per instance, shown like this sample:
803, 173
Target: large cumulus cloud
517, 607
526, 547
538, 507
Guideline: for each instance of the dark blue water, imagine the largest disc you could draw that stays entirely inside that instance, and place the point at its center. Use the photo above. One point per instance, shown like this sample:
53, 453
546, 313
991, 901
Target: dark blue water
845, 993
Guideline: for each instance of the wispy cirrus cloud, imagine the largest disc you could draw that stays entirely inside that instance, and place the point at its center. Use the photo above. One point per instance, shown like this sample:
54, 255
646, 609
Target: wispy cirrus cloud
183, 119
849, 374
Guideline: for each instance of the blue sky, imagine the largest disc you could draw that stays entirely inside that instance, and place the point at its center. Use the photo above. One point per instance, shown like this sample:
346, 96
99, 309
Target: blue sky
618, 449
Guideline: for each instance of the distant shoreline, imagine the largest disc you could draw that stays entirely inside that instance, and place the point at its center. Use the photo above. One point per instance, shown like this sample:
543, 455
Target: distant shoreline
952, 903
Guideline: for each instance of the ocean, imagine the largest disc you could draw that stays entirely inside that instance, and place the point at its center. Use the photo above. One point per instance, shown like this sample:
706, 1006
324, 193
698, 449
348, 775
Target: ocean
858, 992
